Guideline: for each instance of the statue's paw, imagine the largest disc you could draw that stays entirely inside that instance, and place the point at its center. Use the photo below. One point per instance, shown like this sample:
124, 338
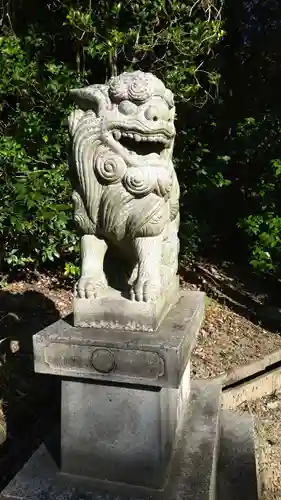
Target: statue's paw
89, 287
145, 290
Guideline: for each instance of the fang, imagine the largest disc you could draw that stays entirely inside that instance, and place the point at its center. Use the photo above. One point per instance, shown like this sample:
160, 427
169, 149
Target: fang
117, 135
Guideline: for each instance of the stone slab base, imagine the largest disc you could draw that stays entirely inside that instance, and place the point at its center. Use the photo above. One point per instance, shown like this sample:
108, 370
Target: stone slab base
192, 474
117, 312
237, 473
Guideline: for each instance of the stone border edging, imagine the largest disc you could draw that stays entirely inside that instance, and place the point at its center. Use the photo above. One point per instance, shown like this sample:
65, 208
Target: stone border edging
252, 381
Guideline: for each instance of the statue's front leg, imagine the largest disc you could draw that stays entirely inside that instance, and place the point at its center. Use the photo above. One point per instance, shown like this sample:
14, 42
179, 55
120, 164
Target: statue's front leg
147, 285
92, 282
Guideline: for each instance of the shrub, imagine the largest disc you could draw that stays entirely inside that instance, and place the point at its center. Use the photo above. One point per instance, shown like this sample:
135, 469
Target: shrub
46, 50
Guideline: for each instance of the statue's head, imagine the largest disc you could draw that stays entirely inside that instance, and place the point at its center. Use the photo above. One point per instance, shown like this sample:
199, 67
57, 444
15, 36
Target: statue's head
140, 124
136, 114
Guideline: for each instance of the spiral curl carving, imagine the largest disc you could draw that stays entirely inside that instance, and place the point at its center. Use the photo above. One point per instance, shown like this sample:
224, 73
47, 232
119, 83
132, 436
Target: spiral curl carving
139, 90
139, 181
118, 89
109, 167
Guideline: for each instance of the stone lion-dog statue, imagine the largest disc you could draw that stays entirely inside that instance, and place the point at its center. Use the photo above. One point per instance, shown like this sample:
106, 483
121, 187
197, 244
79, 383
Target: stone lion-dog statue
127, 193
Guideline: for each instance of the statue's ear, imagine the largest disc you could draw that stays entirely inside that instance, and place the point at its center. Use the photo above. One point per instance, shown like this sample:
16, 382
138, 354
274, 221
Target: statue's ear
94, 97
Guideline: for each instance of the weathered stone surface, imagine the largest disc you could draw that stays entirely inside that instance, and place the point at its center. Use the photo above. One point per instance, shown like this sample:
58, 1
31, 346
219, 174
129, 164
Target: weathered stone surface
120, 433
126, 193
118, 312
121, 356
192, 473
237, 473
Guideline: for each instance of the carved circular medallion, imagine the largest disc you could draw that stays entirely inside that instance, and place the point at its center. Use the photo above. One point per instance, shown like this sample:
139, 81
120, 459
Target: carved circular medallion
103, 360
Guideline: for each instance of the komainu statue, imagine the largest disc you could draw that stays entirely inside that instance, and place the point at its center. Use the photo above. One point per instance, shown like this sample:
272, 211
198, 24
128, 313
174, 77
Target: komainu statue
126, 194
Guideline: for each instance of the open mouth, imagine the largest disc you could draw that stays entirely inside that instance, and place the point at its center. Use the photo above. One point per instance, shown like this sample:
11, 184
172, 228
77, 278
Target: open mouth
142, 144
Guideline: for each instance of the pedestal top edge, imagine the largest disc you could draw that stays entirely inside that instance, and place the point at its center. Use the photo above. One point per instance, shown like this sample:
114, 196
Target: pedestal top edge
158, 358
172, 330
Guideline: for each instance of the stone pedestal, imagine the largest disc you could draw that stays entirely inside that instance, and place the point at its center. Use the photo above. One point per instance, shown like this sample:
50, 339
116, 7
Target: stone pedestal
119, 433
152, 359
132, 425
126, 395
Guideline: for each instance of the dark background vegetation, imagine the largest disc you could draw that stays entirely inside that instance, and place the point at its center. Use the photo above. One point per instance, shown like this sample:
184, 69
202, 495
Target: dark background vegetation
222, 61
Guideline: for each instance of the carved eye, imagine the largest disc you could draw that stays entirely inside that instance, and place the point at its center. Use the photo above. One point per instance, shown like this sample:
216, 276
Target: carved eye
152, 113
127, 108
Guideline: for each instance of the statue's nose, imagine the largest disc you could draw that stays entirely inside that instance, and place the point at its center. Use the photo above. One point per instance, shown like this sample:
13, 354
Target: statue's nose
155, 113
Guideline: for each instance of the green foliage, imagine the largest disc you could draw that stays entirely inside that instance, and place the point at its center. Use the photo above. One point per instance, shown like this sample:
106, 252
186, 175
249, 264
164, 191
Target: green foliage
49, 48
228, 147
261, 219
35, 220
71, 270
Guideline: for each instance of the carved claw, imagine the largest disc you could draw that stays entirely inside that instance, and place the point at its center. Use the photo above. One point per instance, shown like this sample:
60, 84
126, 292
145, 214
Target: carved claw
145, 290
90, 287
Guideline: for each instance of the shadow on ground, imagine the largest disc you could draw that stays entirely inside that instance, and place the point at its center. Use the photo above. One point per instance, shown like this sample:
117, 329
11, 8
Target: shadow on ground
31, 402
23, 314
256, 297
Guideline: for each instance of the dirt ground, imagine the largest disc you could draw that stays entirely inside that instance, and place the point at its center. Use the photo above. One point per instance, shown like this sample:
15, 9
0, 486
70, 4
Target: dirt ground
234, 333
228, 340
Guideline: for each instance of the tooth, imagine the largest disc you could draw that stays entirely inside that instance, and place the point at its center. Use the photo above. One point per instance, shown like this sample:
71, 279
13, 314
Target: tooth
117, 135
131, 136
137, 137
